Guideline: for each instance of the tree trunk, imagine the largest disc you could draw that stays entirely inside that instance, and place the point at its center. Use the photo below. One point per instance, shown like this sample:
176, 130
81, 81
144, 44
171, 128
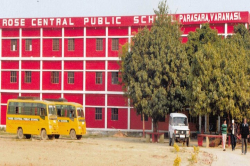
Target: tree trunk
143, 125
155, 125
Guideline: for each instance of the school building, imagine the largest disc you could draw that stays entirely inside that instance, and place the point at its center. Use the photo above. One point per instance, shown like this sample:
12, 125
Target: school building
76, 58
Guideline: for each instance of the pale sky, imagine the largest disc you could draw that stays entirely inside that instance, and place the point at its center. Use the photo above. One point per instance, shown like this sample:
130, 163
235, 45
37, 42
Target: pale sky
81, 8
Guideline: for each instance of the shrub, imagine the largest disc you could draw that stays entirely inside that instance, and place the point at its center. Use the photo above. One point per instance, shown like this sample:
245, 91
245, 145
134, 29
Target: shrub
196, 150
177, 161
193, 158
2, 129
176, 147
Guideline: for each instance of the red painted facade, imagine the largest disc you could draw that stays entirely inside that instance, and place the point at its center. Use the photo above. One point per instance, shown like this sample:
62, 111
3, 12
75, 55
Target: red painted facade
85, 61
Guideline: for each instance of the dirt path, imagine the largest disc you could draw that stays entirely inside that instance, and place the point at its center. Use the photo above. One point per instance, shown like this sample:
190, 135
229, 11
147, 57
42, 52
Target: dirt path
90, 151
229, 157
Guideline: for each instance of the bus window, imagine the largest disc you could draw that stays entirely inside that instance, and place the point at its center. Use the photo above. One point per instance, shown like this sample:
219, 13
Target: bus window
64, 111
80, 112
26, 110
52, 110
72, 114
42, 109
17, 110
59, 110
11, 108
42, 112
34, 109
71, 111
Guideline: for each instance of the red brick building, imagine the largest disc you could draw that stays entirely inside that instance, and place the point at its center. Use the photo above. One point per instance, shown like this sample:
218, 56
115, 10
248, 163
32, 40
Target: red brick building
76, 58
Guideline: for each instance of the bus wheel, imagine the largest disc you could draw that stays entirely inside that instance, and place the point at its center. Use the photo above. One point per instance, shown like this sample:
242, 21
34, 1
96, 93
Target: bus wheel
28, 136
72, 134
79, 137
44, 134
51, 137
20, 133
57, 136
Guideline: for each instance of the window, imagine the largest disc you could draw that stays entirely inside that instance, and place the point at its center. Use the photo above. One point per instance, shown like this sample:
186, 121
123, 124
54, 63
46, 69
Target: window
54, 77
115, 44
71, 44
24, 108
13, 44
80, 112
98, 77
145, 117
114, 77
28, 45
55, 44
61, 110
66, 111
71, 111
71, 77
27, 78
114, 113
13, 76
98, 113
99, 44
179, 121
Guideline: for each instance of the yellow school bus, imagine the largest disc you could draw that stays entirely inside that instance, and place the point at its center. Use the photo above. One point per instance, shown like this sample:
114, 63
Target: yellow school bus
71, 120
29, 116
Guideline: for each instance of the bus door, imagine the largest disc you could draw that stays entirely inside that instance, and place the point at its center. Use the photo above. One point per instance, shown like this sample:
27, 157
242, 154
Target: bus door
35, 119
27, 118
64, 119
18, 119
71, 110
43, 114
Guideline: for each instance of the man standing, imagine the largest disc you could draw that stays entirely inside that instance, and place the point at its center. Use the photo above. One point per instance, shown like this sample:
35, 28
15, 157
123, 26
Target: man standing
233, 135
224, 134
244, 131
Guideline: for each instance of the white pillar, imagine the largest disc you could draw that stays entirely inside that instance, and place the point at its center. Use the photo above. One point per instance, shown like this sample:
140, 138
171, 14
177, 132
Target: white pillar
129, 38
225, 30
84, 70
41, 62
62, 69
106, 80
20, 62
0, 73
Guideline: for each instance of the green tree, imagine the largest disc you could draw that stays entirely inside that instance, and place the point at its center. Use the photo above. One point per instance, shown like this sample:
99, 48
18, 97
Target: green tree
199, 38
241, 36
219, 81
154, 72
241, 42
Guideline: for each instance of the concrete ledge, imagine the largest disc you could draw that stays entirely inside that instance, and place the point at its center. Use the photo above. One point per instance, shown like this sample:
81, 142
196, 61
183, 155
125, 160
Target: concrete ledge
111, 133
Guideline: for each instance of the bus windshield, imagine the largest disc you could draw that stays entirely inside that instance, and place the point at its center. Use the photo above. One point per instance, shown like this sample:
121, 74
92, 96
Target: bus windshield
52, 110
80, 112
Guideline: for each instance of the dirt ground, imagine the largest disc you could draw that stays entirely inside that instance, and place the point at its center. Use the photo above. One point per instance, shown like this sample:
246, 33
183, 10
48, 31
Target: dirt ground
93, 150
